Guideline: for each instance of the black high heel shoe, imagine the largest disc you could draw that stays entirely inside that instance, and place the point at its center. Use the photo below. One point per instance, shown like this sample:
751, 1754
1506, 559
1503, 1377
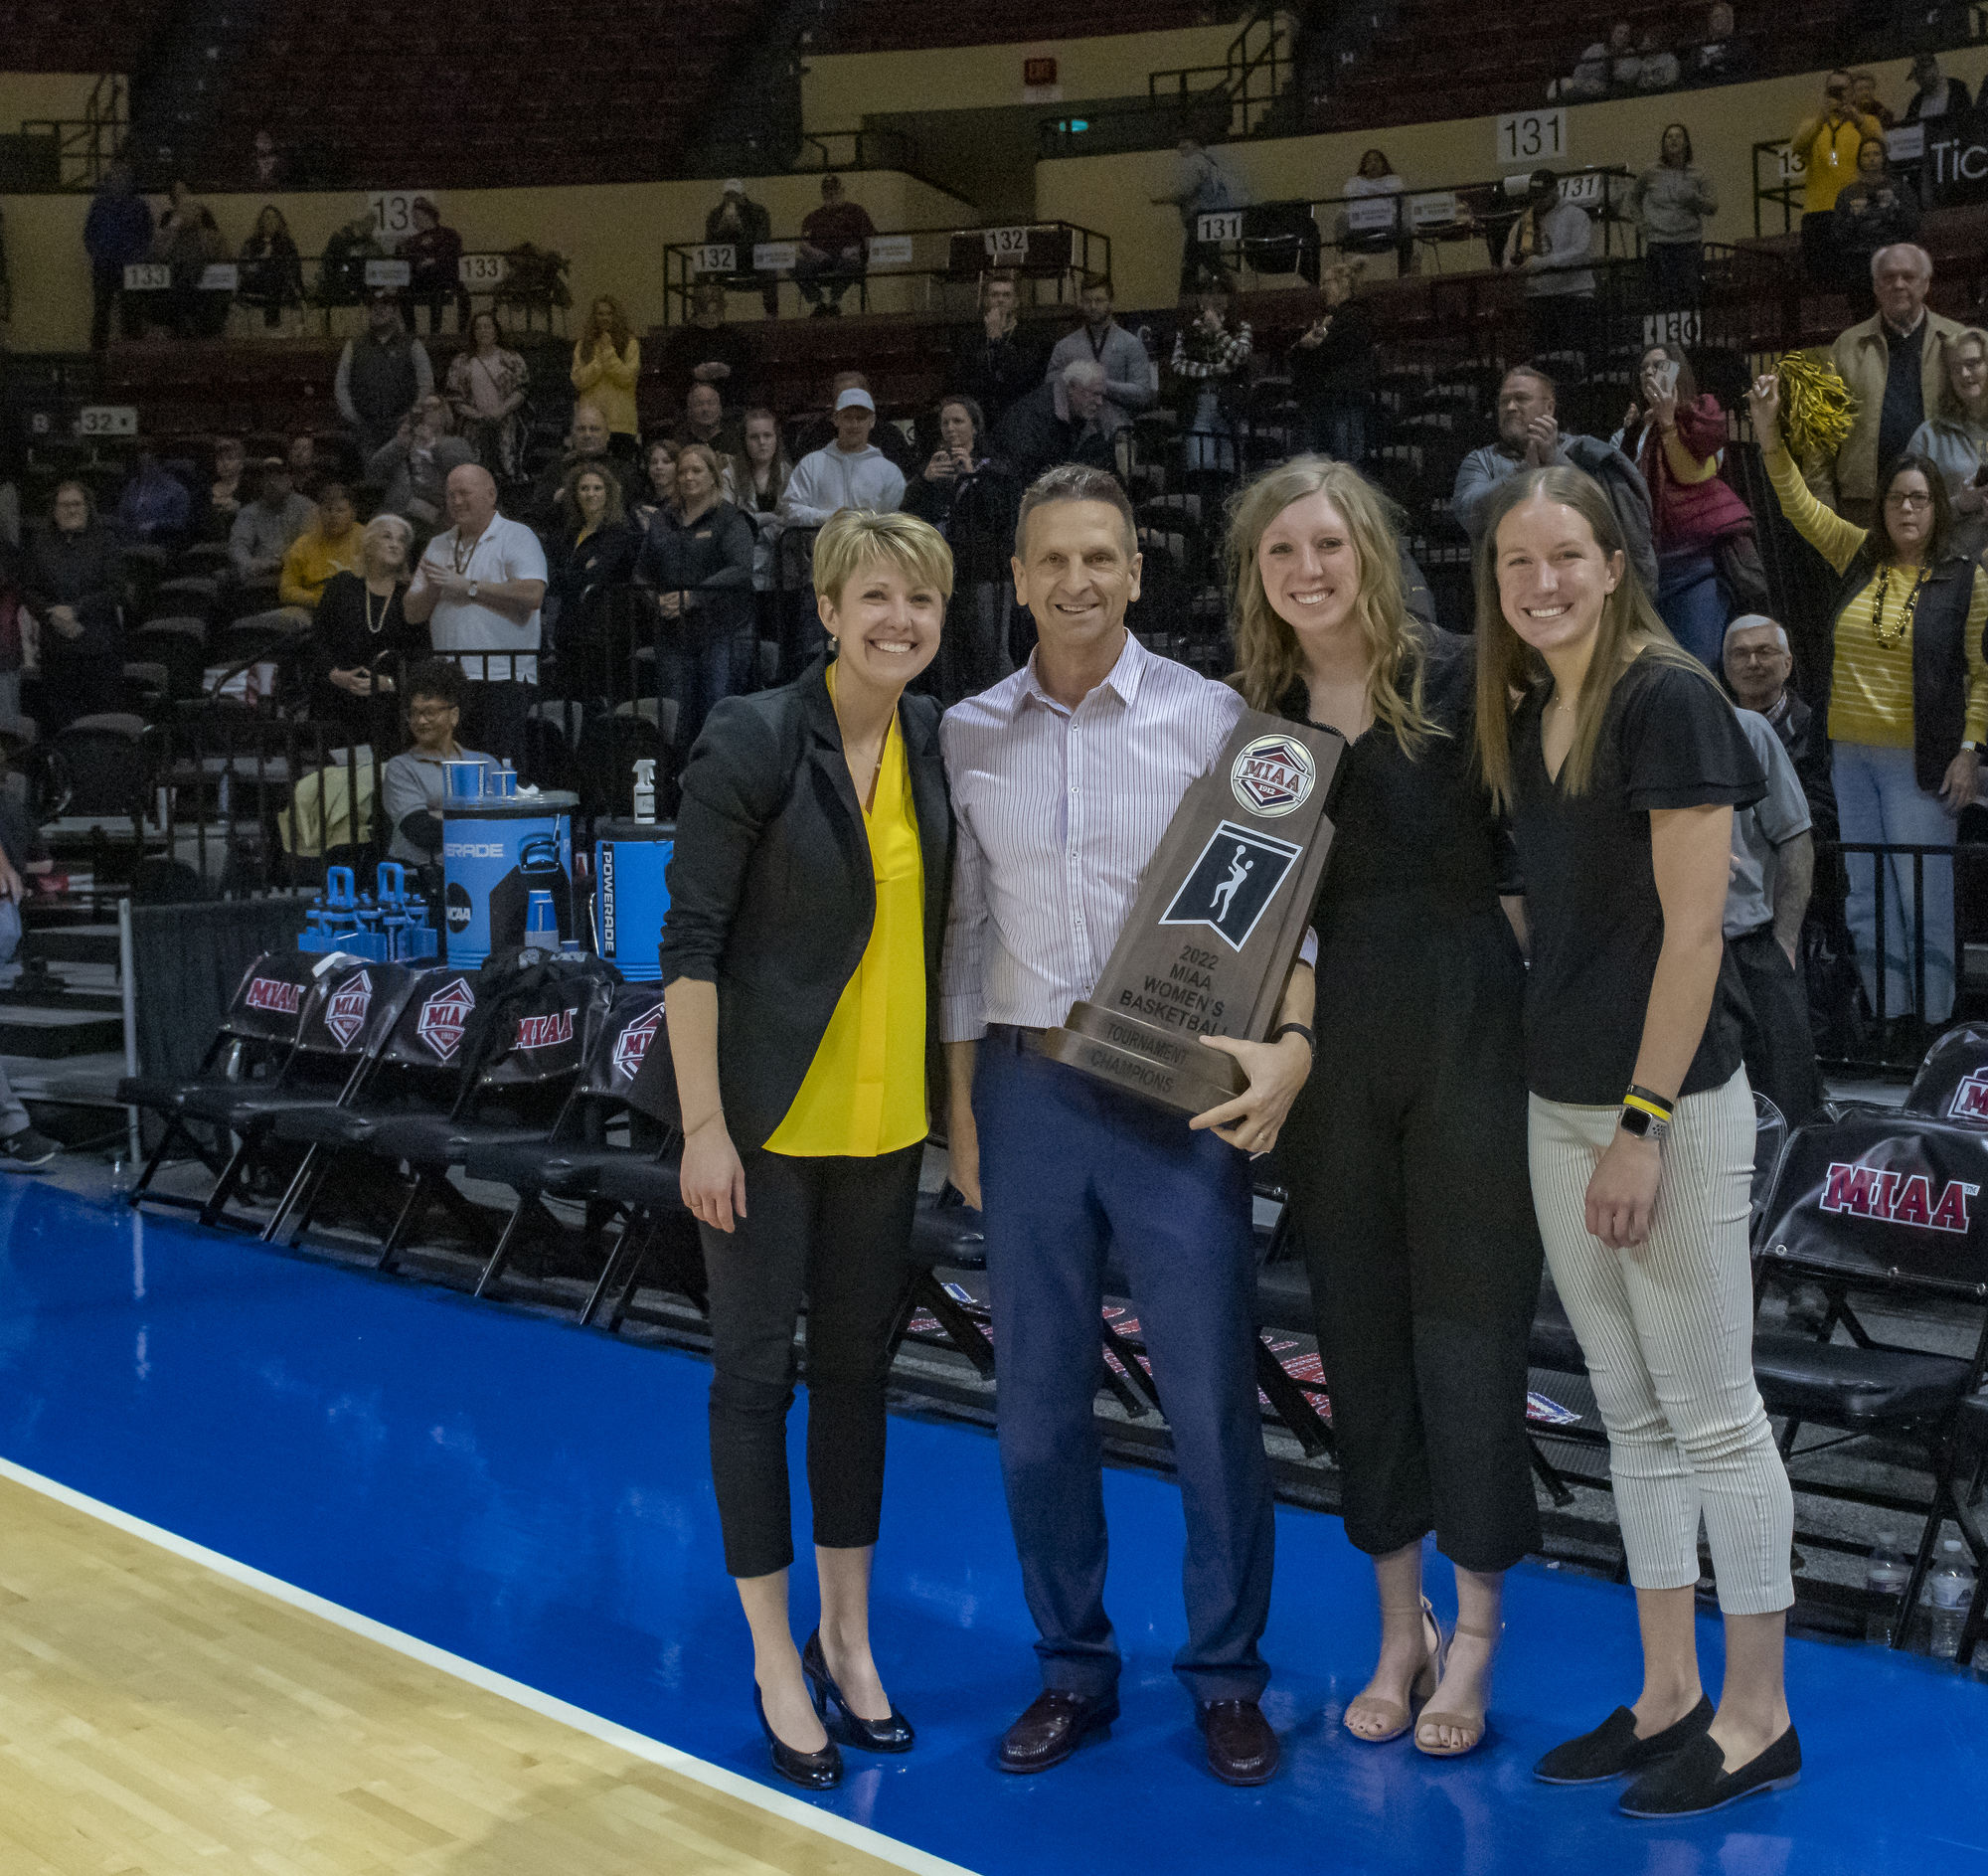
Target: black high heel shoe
893, 1735
813, 1771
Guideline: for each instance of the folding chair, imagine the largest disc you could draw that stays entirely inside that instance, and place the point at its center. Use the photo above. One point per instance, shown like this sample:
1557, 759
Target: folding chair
256, 1037
1888, 1204
1970, 1434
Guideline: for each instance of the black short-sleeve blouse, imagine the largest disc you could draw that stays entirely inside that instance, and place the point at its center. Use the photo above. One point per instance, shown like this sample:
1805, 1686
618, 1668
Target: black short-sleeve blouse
1669, 740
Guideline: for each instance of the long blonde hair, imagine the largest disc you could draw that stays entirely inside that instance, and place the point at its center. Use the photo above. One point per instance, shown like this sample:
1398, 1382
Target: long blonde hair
1270, 660
1508, 668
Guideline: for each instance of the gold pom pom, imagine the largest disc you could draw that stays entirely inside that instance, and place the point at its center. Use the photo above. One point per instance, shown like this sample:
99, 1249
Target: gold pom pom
1817, 408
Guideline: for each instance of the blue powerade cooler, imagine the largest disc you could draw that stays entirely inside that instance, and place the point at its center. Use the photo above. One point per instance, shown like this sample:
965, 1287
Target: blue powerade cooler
629, 894
495, 853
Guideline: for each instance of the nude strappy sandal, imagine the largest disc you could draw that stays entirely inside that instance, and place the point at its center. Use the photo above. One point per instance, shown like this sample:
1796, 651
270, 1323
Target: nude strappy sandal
1421, 1688
1470, 1724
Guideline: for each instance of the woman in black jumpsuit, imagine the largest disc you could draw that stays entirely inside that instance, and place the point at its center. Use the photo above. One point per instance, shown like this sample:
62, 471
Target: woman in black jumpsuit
1405, 1156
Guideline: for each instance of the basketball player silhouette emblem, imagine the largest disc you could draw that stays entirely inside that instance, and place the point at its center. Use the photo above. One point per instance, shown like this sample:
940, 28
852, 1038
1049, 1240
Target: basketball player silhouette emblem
1233, 883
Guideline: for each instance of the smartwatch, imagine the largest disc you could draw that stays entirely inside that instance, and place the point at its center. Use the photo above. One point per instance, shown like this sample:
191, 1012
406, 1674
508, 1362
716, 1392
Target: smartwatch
1641, 1124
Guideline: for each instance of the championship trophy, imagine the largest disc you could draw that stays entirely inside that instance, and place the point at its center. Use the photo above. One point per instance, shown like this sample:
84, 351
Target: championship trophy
1218, 922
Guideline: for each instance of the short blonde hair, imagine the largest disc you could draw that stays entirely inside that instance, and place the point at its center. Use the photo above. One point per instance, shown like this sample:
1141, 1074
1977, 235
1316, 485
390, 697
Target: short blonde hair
853, 538
385, 528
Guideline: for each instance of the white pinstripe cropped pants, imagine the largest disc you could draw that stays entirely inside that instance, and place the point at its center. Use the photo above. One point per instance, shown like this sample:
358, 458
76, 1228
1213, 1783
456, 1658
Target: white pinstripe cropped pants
1668, 1333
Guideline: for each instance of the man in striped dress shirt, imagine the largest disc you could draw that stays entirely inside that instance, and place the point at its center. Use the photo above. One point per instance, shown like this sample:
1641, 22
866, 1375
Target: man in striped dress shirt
1063, 779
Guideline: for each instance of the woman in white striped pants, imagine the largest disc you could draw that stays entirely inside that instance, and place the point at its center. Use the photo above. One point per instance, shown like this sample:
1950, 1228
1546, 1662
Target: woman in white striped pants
1620, 768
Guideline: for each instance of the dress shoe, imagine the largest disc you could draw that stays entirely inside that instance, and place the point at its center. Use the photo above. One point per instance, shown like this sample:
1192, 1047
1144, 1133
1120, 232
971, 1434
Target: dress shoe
1241, 1749
1613, 1749
893, 1735
1696, 1781
813, 1771
1054, 1727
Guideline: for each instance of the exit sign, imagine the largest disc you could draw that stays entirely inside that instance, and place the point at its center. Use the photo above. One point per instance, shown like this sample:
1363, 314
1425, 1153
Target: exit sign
1037, 72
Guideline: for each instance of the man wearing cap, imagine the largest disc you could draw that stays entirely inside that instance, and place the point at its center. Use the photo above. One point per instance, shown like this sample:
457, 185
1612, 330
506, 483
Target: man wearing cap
381, 374
433, 255
745, 223
833, 247
265, 529
850, 472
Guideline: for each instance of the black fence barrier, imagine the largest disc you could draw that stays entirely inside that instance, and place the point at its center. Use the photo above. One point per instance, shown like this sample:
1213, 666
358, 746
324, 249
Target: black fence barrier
187, 961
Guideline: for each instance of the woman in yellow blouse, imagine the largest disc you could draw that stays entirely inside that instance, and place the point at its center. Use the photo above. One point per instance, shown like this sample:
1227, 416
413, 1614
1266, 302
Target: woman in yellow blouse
333, 544
605, 365
1907, 707
800, 954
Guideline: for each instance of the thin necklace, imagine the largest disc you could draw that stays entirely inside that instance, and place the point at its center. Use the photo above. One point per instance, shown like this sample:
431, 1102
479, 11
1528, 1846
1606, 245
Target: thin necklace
460, 558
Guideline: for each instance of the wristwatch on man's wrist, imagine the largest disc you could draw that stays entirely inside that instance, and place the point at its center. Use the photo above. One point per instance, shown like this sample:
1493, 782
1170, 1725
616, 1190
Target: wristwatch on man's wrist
472, 589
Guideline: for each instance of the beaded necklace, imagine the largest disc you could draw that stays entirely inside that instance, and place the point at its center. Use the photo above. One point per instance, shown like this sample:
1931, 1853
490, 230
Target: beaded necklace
1906, 615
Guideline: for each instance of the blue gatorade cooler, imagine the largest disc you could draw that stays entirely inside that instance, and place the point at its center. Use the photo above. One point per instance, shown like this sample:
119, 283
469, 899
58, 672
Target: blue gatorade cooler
494, 855
629, 894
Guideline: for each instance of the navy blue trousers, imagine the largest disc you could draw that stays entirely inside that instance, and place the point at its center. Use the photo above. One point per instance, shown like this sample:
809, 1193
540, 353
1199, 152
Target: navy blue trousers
1068, 1170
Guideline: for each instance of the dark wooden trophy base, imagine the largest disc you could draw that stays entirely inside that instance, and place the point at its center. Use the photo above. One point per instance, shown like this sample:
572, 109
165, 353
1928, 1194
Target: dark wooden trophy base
1162, 1065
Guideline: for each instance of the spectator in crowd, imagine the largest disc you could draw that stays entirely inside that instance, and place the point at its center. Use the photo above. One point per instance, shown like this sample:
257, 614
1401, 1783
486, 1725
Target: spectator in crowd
155, 506
1864, 99
1758, 664
834, 248
116, 234
1530, 437
433, 255
742, 224
659, 478
1130, 381
269, 168
702, 422
1333, 371
72, 580
1717, 58
1955, 442
1626, 65
272, 273
1896, 364
697, 561
182, 244
1670, 201
1876, 211
1203, 185
266, 528
411, 784
1059, 422
412, 467
607, 364
592, 552
1766, 900
487, 382
972, 498
1656, 65
1553, 240
479, 589
850, 472
340, 268
1934, 94
997, 364
224, 493
891, 440
1908, 703
381, 374
307, 468
1210, 366
332, 543
587, 441
707, 351
1376, 178
1589, 79
1708, 559
754, 480
1827, 143
208, 308
361, 636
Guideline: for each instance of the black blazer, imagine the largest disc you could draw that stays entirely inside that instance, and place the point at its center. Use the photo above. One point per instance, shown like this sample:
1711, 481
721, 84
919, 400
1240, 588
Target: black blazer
772, 894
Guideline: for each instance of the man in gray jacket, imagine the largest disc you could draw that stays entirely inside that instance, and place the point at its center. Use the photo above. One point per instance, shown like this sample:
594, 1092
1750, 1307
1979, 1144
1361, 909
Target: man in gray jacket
1528, 437
266, 528
1130, 380
850, 472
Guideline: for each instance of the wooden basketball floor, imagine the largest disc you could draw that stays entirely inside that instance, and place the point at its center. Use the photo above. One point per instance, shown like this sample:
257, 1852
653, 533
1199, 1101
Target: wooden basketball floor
159, 1716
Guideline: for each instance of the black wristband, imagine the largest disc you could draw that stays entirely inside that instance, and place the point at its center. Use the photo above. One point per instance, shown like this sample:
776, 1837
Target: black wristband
1297, 1029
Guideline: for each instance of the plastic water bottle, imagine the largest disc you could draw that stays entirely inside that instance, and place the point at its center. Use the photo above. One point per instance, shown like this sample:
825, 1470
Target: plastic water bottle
1952, 1586
1885, 1577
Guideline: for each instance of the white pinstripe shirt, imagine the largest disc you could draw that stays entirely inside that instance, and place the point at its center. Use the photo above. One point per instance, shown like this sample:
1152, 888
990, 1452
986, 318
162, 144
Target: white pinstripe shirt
1059, 812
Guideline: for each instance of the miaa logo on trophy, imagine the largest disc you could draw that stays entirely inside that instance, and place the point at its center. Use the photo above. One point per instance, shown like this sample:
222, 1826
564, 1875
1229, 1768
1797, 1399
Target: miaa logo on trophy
1272, 775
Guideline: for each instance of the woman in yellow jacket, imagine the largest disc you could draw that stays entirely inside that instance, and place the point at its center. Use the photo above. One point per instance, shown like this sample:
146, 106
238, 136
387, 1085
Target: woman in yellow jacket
605, 365
333, 544
1908, 702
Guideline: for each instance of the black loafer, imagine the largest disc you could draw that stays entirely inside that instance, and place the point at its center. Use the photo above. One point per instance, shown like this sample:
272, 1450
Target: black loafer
893, 1735
1242, 1747
1613, 1749
812, 1771
1055, 1726
1696, 1781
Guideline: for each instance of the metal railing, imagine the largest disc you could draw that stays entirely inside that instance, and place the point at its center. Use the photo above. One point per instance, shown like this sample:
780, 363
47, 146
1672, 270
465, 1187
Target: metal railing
923, 258
1256, 73
85, 146
881, 148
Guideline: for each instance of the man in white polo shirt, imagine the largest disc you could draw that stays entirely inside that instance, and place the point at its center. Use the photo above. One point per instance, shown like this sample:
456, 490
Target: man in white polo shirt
479, 589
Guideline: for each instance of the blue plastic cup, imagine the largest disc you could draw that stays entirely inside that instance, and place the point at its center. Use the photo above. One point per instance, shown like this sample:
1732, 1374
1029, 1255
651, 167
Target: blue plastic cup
541, 921
500, 784
463, 781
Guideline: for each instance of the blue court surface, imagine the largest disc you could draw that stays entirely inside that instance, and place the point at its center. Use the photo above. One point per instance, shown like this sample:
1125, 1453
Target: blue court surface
536, 1498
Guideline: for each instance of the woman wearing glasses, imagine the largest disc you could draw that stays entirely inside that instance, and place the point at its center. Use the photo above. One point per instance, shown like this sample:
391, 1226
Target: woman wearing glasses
1907, 704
